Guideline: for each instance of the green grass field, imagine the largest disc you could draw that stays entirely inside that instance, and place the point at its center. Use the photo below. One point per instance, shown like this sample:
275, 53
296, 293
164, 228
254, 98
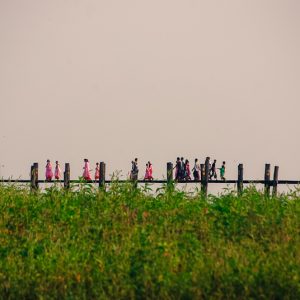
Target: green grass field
130, 244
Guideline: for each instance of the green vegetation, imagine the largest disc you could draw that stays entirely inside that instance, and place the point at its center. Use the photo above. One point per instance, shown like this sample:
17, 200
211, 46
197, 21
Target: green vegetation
129, 244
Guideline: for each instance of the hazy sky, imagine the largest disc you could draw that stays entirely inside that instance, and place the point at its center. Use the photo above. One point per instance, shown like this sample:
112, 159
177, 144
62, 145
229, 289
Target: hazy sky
111, 80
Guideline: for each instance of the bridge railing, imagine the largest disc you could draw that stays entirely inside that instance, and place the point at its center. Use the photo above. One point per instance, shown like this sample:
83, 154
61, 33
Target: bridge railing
204, 179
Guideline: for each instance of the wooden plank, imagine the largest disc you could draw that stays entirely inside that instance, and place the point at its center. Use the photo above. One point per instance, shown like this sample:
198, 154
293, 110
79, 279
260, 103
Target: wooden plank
275, 181
32, 181
67, 176
34, 176
240, 179
102, 175
267, 179
246, 181
294, 182
169, 172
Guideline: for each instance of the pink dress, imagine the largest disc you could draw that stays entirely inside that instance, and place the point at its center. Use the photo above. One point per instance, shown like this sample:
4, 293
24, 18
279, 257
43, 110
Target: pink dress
49, 173
57, 172
86, 171
147, 174
188, 171
150, 172
97, 173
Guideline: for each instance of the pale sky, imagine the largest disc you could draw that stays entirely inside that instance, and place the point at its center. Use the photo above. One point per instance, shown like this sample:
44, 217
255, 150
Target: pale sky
113, 80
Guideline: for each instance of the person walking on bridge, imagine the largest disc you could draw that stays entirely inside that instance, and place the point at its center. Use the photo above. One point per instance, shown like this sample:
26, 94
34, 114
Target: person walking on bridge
134, 170
97, 172
177, 169
196, 170
49, 172
187, 170
86, 170
213, 172
148, 173
182, 169
222, 171
57, 172
150, 170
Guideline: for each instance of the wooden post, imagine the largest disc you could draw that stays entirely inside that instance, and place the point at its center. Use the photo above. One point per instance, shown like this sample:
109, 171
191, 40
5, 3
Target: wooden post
275, 181
134, 177
267, 179
34, 176
67, 176
102, 175
169, 173
32, 185
240, 179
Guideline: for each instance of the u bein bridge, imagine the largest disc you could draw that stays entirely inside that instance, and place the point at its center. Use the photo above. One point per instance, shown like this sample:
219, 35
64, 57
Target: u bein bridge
204, 179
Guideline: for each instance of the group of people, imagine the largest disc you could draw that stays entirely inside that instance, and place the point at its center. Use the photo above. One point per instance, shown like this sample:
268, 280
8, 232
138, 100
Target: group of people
213, 169
135, 170
86, 171
49, 172
183, 171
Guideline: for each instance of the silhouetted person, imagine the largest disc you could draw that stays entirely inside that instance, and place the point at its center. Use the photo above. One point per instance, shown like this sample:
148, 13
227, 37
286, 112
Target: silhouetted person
177, 169
196, 170
182, 168
134, 170
187, 170
213, 173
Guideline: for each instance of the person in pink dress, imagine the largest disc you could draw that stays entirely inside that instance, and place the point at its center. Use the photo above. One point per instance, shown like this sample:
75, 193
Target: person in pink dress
150, 170
49, 173
97, 172
57, 172
86, 170
148, 173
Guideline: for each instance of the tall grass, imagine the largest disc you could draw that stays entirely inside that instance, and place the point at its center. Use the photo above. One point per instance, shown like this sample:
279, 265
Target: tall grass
128, 244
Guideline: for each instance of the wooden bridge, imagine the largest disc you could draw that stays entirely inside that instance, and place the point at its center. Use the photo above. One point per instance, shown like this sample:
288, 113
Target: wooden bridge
204, 179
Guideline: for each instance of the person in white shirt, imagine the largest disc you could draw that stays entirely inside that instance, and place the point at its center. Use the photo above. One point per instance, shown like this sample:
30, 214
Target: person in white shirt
196, 170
